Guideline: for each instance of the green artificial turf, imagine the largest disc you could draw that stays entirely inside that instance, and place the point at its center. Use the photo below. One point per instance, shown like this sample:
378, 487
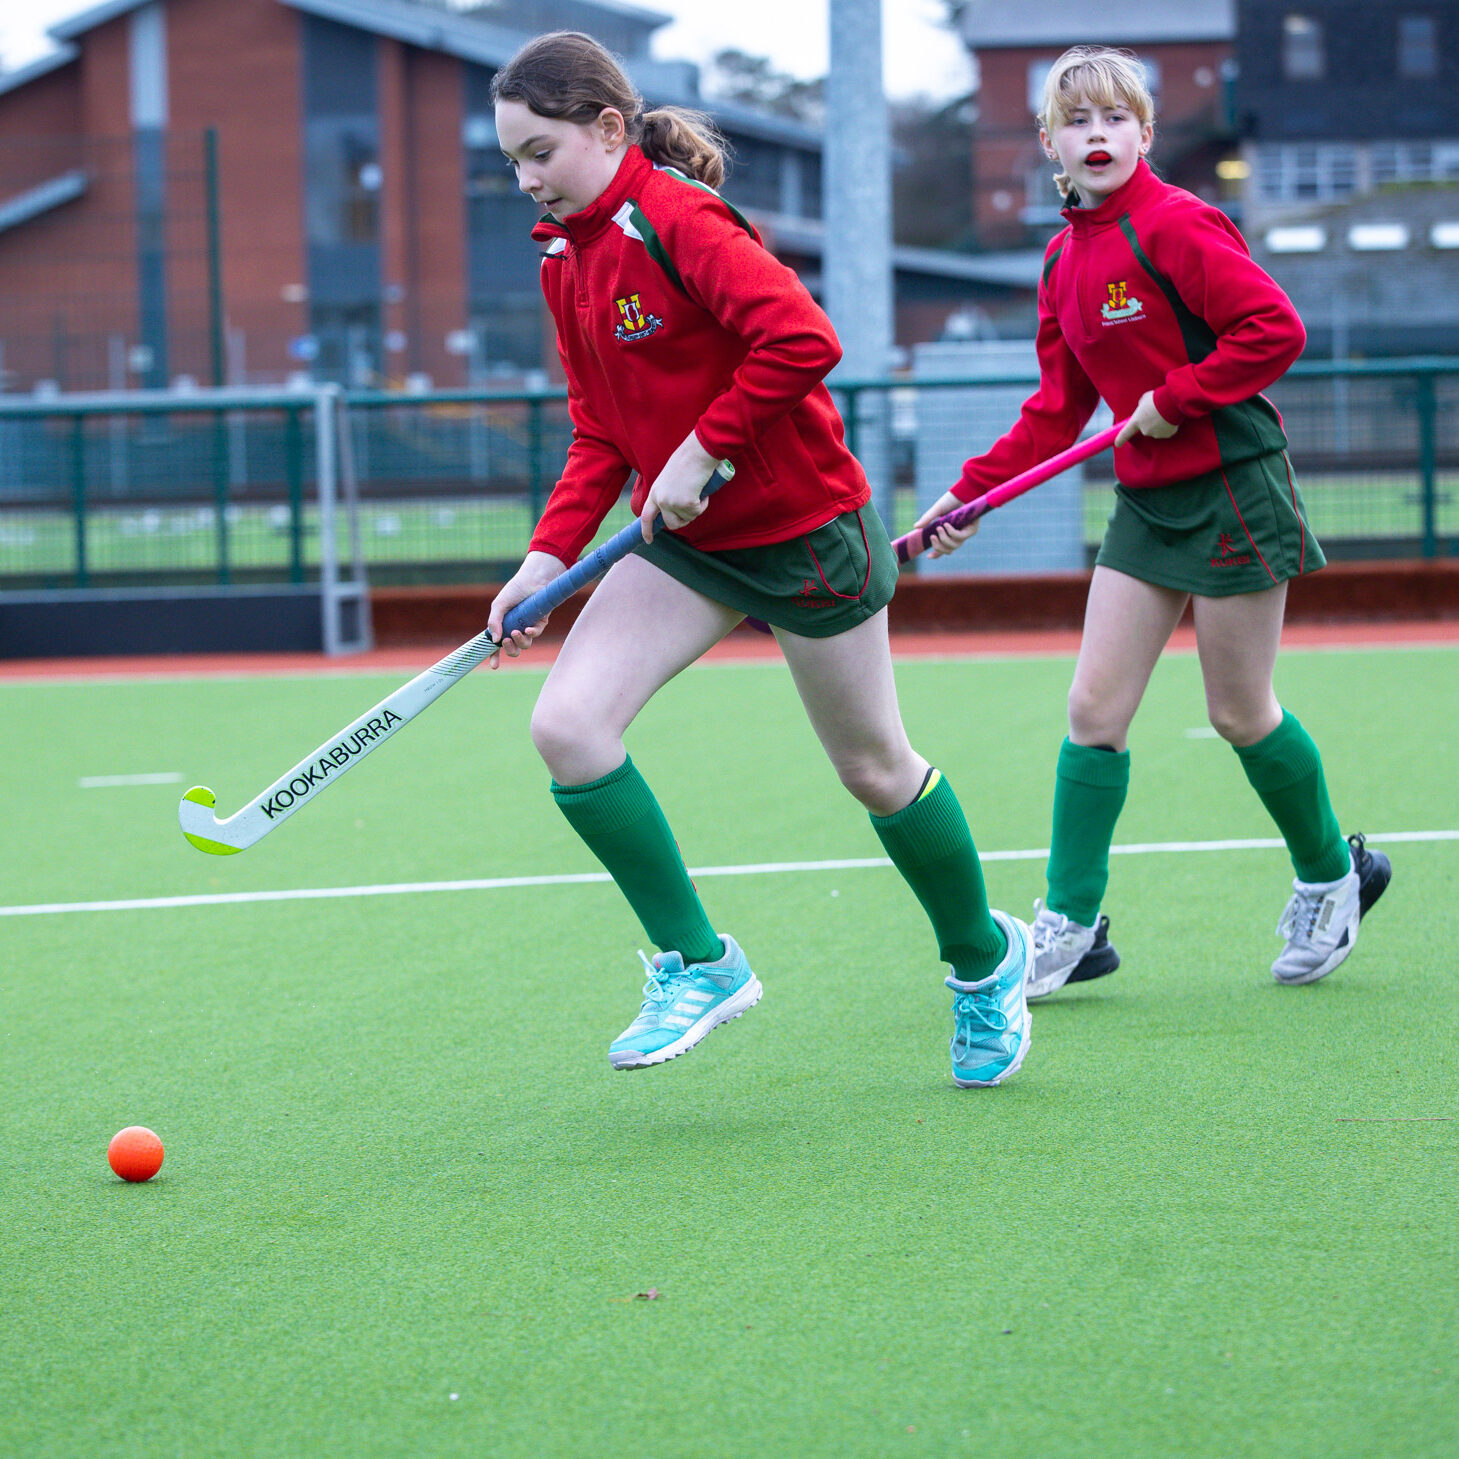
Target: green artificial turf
407, 1206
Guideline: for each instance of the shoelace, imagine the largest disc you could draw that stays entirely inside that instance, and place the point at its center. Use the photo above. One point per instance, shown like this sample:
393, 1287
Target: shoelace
1048, 928
659, 988
1299, 916
973, 1010
1046, 934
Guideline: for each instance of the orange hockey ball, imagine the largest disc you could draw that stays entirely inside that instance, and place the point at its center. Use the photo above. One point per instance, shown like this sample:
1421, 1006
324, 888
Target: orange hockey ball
135, 1153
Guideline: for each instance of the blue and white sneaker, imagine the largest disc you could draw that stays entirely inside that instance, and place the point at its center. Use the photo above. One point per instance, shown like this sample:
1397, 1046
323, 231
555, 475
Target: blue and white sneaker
991, 1020
681, 1005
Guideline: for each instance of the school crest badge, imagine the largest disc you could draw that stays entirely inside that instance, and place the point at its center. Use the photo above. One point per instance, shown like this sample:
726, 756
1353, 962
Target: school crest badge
1121, 304
633, 324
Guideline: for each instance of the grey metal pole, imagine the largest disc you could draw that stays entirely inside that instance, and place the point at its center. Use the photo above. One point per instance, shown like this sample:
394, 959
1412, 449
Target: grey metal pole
858, 223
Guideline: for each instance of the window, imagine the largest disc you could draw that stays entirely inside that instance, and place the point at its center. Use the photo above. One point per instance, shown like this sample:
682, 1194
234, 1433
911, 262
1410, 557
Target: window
1038, 73
1152, 77
1309, 171
1418, 46
1329, 171
754, 179
487, 172
810, 188
502, 261
343, 179
342, 185
1415, 162
1304, 52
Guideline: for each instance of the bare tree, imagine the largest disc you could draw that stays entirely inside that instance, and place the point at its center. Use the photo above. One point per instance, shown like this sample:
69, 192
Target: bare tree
753, 81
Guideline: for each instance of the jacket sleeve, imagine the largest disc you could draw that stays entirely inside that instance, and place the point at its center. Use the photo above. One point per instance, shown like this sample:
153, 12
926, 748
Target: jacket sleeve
790, 344
1050, 420
1258, 333
591, 482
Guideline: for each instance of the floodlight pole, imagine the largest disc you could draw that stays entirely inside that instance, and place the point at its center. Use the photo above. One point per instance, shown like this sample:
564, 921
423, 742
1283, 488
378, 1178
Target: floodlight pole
858, 222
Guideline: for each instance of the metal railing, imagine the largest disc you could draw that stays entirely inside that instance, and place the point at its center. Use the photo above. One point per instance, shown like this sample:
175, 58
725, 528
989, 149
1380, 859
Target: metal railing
238, 487
160, 489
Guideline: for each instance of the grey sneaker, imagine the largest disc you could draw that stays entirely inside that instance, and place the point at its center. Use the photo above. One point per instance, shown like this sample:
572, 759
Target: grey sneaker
1320, 921
1068, 952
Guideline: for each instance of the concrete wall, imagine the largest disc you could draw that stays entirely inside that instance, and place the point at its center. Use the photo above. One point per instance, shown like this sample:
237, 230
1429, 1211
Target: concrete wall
1040, 532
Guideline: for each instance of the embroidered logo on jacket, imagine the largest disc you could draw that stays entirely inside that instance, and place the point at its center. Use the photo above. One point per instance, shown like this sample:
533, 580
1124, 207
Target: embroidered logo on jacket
633, 323
1121, 305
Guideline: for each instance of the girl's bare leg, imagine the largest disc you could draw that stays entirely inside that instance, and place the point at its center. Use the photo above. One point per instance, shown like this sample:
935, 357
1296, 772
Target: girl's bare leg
849, 693
1127, 624
1237, 638
640, 628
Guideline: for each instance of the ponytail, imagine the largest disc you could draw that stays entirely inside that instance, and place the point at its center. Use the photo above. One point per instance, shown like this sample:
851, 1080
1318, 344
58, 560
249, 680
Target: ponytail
569, 76
685, 139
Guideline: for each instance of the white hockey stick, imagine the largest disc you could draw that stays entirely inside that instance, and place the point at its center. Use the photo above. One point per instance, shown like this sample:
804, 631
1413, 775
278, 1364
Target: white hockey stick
343, 751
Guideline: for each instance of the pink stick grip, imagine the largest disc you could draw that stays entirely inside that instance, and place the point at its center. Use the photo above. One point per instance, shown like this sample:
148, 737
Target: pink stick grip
917, 541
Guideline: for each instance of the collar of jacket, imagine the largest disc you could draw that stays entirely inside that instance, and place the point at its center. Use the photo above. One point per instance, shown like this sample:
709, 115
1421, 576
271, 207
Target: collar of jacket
580, 227
1116, 205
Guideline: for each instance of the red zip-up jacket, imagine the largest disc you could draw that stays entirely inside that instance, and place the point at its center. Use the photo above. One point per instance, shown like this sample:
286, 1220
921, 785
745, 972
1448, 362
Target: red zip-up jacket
672, 317
1152, 290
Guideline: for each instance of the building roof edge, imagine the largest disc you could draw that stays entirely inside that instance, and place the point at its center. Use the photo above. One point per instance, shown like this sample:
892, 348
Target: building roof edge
63, 55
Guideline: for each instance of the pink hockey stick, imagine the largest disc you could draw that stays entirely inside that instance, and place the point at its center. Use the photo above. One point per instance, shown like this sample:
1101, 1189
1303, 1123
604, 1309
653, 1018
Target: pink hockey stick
917, 541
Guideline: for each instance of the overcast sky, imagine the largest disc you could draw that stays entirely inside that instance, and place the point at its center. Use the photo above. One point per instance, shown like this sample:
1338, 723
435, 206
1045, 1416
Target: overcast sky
920, 56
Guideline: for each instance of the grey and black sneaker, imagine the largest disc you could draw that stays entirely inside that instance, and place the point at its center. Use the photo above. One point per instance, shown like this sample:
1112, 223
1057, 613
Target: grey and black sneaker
1320, 921
1374, 869
1068, 952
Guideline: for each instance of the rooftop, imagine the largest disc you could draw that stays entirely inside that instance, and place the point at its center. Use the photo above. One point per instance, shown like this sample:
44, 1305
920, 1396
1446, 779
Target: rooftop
987, 24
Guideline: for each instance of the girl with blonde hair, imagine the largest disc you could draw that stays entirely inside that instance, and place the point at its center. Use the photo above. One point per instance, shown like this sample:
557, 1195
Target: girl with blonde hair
1150, 300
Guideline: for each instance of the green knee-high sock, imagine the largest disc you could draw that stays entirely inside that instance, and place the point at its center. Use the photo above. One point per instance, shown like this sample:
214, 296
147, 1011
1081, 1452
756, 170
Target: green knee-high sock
624, 828
1089, 793
1285, 770
929, 843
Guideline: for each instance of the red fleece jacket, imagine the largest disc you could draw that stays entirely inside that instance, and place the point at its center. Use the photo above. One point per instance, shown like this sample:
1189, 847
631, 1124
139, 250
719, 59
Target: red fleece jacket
1152, 290
672, 317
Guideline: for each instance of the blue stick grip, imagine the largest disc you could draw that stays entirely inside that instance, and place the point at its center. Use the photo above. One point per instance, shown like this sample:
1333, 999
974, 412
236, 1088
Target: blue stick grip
535, 608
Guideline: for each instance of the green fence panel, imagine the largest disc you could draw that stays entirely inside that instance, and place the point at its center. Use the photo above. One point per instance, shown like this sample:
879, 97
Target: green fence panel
144, 488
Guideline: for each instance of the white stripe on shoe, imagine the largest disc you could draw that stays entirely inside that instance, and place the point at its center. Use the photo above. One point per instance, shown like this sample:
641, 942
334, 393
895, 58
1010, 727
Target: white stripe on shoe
732, 1007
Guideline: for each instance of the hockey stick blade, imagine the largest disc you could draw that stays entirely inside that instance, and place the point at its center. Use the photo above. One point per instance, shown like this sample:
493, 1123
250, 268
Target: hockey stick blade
196, 812
341, 752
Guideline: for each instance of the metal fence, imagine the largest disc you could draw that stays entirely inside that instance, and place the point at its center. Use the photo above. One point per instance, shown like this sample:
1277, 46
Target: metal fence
169, 488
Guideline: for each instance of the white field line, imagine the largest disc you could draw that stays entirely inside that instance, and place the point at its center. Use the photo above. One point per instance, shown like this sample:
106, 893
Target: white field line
153, 777
760, 868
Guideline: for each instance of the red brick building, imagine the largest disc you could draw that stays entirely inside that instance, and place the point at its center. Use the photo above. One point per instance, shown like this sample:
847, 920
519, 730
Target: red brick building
243, 190
355, 219
122, 109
